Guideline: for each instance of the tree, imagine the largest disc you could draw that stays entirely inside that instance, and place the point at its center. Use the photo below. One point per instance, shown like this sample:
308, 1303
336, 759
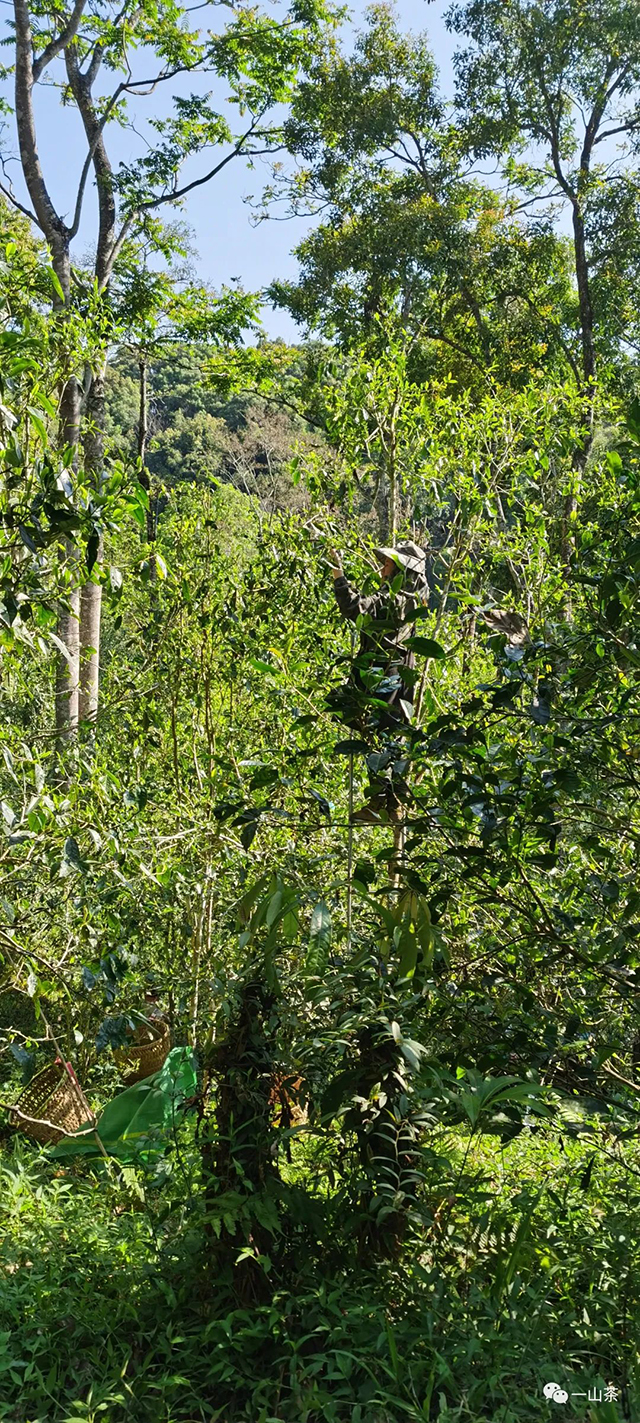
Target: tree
257, 57
410, 241
556, 81
39, 508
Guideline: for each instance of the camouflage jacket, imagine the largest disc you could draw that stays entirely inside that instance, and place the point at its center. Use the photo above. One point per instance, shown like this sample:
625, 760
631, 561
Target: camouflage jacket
390, 622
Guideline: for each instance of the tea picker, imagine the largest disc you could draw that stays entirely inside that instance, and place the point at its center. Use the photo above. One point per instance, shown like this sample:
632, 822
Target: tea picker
377, 700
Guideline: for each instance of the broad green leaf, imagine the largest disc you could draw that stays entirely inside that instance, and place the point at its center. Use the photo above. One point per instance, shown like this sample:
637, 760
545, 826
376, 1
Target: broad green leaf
320, 939
275, 905
427, 646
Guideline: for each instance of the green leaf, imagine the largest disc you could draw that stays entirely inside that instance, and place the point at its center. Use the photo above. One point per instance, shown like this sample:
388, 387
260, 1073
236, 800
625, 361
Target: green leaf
365, 872
506, 694
93, 545
55, 282
248, 834
265, 667
140, 494
320, 939
427, 646
290, 924
61, 646
633, 419
39, 425
72, 854
408, 948
114, 1032
8, 909
8, 760
275, 905
585, 1178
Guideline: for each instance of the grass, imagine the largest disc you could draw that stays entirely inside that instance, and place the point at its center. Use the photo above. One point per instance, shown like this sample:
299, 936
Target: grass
529, 1272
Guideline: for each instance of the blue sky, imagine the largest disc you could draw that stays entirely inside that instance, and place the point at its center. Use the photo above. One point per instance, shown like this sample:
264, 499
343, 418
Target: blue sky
228, 245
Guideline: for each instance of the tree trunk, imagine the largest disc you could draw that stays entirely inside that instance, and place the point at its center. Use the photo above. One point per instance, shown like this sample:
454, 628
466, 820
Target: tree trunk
581, 455
90, 620
143, 420
239, 1158
392, 529
392, 471
91, 598
68, 627
79, 618
68, 630
584, 296
143, 433
81, 84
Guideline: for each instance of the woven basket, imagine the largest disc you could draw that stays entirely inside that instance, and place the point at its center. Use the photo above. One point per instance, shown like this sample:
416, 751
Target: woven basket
50, 1094
145, 1053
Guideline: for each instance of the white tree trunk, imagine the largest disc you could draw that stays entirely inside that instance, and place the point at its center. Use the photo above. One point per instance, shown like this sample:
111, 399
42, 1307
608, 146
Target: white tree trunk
91, 599
90, 615
67, 669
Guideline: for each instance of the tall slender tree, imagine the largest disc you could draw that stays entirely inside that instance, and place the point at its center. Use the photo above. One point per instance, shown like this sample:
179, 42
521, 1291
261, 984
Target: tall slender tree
138, 49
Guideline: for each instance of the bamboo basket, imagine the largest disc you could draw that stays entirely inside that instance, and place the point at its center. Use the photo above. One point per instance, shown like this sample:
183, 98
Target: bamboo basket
146, 1052
50, 1094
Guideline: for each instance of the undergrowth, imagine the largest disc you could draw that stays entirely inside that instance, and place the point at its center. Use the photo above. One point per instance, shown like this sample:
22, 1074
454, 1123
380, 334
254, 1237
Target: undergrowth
526, 1274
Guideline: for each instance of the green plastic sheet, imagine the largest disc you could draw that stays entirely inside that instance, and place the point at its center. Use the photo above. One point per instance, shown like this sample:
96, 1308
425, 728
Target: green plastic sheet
137, 1124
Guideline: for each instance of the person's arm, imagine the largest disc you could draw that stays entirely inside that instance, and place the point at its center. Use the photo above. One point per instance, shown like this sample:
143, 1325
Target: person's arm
350, 602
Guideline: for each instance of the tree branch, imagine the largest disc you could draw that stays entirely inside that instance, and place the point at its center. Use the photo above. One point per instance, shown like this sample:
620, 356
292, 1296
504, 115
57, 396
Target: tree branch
178, 193
90, 74
101, 125
10, 198
553, 137
629, 127
97, 154
48, 220
56, 45
596, 115
461, 350
118, 245
142, 88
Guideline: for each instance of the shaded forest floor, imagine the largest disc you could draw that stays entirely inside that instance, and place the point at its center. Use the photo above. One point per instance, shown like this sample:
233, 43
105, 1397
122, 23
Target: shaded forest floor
527, 1274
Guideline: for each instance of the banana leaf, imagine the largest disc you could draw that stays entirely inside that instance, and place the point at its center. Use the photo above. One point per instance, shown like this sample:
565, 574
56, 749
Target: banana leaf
137, 1124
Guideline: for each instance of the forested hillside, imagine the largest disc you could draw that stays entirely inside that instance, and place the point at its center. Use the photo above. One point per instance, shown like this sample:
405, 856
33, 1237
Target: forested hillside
319, 721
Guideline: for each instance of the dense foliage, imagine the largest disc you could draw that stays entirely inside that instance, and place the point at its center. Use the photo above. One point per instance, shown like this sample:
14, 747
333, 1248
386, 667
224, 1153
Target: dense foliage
407, 1183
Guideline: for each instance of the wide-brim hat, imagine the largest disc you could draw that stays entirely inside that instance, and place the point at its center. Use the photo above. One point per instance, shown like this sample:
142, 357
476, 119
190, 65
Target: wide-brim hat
406, 555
